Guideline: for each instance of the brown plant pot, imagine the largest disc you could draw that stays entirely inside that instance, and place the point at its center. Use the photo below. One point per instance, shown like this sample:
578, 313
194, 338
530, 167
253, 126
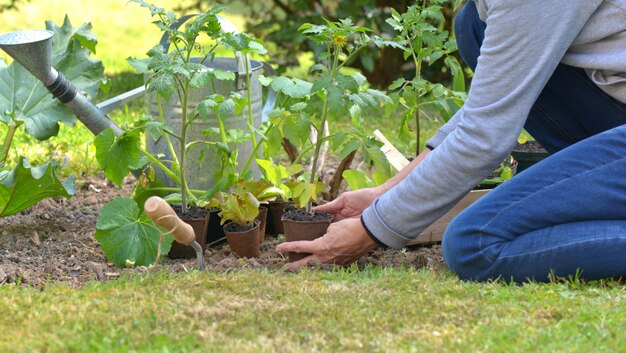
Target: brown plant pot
200, 225
274, 216
262, 217
215, 232
296, 229
243, 243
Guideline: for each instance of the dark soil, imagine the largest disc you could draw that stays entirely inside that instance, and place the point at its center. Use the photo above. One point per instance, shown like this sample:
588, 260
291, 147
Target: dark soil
238, 228
192, 212
53, 242
301, 215
530, 146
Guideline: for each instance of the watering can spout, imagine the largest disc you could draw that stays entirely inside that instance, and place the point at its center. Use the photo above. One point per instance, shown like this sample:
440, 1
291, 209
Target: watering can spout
33, 50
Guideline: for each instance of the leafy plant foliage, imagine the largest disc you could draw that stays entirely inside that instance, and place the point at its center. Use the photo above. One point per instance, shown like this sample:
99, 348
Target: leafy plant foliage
128, 236
25, 186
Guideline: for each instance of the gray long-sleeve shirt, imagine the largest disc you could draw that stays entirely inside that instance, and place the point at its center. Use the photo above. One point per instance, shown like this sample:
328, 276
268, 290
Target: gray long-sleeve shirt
524, 42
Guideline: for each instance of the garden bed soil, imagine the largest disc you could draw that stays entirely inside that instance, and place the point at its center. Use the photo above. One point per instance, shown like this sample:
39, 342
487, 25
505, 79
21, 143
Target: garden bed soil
53, 242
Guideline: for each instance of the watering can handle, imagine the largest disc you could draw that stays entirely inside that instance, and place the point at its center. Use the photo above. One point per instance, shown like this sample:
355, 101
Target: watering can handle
268, 70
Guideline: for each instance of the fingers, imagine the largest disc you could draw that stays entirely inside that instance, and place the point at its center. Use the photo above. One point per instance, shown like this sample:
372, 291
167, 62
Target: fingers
302, 246
294, 266
332, 207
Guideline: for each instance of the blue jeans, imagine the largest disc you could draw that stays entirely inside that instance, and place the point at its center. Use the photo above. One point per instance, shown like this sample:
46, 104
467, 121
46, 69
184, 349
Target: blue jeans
566, 215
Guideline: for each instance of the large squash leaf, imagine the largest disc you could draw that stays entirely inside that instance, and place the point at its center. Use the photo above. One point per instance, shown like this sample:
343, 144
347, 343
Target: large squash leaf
118, 155
22, 94
126, 236
25, 186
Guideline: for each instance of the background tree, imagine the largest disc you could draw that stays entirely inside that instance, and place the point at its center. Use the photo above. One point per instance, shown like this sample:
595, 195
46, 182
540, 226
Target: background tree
10, 4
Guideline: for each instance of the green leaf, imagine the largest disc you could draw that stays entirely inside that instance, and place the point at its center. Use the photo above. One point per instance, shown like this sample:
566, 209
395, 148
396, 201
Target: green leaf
224, 75
265, 81
318, 68
324, 82
274, 173
349, 147
140, 65
241, 208
297, 129
164, 83
125, 234
347, 82
117, 156
228, 107
357, 179
292, 87
506, 173
25, 186
86, 37
22, 93
356, 112
270, 192
397, 84
144, 188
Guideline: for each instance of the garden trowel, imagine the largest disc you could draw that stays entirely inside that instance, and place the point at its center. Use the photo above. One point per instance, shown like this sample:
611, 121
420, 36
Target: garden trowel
162, 214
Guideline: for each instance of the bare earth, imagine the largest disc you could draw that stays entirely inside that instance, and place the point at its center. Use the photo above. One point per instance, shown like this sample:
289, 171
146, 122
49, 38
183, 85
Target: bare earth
53, 242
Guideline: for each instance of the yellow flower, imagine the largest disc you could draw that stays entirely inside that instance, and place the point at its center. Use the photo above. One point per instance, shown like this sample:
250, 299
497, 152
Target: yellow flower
339, 40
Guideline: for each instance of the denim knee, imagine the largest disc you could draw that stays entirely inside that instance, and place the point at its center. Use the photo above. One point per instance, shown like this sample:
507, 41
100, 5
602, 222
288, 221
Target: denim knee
461, 247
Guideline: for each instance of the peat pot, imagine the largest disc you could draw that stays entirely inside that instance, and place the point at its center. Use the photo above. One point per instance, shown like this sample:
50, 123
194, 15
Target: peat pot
274, 216
300, 225
198, 218
244, 243
262, 217
215, 233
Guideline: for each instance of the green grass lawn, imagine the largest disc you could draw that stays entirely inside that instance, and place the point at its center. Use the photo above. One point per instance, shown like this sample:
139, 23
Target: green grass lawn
373, 310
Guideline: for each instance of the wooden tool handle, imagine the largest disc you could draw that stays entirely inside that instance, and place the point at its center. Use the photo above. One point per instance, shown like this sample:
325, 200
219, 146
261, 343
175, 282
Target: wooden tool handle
163, 214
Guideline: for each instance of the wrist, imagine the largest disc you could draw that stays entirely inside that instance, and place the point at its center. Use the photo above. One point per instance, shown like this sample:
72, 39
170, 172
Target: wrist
375, 241
379, 190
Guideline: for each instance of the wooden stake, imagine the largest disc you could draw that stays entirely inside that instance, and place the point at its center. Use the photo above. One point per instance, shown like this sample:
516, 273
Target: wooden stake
395, 157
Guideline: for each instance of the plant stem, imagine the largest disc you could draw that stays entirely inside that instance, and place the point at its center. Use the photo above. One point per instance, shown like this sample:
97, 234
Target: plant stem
318, 145
349, 57
8, 140
161, 166
167, 136
255, 151
248, 89
183, 150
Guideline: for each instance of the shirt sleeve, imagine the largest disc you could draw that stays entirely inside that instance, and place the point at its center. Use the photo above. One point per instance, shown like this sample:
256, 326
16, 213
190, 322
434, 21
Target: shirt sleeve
524, 42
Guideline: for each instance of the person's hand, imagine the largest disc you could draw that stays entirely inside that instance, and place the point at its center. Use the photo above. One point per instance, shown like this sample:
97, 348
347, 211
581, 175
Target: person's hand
344, 242
349, 204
